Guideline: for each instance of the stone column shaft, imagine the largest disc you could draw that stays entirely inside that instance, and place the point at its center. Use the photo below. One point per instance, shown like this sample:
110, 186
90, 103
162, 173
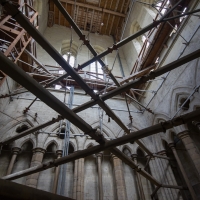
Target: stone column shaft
75, 178
139, 181
15, 151
191, 149
57, 170
99, 166
38, 154
119, 178
194, 197
80, 180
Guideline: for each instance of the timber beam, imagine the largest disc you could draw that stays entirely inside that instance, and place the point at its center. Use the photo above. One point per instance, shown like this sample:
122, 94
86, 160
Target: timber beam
103, 10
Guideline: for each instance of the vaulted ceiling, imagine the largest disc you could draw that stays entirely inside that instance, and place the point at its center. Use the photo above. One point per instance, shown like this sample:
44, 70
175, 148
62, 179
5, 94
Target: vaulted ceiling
104, 17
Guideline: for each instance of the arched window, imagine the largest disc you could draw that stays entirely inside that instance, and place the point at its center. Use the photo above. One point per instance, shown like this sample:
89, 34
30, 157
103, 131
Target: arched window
21, 128
139, 41
95, 67
69, 52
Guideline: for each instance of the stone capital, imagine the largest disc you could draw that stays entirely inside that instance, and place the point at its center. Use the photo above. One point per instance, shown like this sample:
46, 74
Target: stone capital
59, 153
171, 145
39, 150
162, 153
196, 123
100, 154
133, 156
183, 134
16, 150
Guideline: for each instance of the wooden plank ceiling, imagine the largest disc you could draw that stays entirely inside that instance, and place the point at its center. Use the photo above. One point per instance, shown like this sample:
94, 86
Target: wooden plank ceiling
104, 17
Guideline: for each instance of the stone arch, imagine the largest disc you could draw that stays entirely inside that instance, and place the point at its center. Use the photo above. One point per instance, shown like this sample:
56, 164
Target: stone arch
137, 43
10, 124
21, 143
126, 147
139, 148
72, 128
65, 48
90, 144
106, 129
73, 145
46, 144
177, 94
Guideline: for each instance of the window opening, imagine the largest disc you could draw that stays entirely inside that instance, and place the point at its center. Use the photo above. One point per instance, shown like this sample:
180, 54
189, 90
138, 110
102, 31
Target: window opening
95, 68
70, 58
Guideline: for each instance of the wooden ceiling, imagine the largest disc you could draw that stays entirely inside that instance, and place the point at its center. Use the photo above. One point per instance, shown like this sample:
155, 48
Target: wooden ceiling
105, 17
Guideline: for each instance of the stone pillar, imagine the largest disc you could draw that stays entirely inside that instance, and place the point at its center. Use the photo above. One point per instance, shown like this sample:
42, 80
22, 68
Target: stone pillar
56, 175
37, 158
169, 176
80, 180
15, 152
191, 149
119, 178
155, 171
194, 197
75, 178
99, 166
139, 181
197, 124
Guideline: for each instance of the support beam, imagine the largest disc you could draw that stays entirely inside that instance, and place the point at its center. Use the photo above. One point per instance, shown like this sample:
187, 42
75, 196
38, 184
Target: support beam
103, 10
29, 131
144, 79
21, 77
29, 83
36, 61
109, 144
128, 39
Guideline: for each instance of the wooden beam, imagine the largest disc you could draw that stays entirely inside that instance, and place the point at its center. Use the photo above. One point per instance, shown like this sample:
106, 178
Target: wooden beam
94, 8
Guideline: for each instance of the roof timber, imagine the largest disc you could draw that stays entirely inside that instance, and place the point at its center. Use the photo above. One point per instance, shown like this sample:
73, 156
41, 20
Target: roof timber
84, 5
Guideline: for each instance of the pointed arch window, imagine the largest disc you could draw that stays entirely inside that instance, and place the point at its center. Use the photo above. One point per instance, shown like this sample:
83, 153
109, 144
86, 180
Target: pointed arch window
95, 67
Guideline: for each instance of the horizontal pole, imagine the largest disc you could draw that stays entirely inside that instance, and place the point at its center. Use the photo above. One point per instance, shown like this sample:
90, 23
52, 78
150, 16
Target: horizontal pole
29, 131
85, 5
163, 157
17, 74
175, 187
173, 65
81, 36
110, 144
128, 39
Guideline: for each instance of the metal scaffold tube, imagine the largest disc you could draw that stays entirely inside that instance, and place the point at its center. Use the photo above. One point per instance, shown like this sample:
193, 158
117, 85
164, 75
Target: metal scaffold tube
110, 144
21, 77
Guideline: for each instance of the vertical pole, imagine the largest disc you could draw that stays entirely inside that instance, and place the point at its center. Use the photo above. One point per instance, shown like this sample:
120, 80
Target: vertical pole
99, 166
119, 178
57, 169
194, 197
15, 151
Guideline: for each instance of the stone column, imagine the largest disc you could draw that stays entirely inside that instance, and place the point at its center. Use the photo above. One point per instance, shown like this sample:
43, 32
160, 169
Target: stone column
15, 152
155, 170
169, 176
139, 181
57, 170
75, 178
80, 180
191, 149
37, 158
99, 166
194, 197
197, 124
119, 178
